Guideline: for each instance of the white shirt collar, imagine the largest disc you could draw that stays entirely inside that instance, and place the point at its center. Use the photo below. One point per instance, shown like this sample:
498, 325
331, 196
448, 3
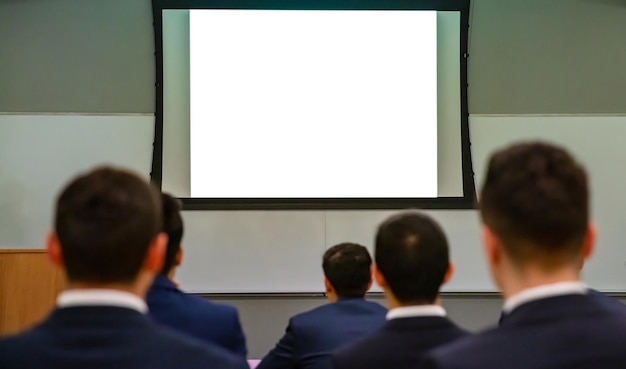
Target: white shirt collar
101, 297
415, 311
542, 292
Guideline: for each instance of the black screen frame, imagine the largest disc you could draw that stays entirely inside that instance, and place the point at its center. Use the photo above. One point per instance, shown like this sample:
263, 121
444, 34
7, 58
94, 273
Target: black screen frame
467, 201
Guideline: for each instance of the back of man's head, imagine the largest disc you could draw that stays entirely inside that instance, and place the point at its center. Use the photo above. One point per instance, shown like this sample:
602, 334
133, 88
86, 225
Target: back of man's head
105, 222
174, 228
411, 253
347, 266
535, 199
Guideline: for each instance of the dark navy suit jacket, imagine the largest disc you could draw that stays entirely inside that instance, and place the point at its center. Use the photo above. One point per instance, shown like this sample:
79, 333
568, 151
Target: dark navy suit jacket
562, 332
104, 337
196, 316
311, 337
398, 344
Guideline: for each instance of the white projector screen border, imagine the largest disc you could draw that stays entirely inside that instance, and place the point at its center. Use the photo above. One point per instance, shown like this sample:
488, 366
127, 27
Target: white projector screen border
466, 201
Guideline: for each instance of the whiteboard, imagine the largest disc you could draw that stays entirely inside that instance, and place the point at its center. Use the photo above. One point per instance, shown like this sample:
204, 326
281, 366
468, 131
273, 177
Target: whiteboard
40, 153
281, 251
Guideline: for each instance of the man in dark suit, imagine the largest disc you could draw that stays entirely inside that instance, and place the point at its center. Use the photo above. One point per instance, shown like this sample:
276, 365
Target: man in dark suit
107, 240
312, 336
190, 314
535, 210
412, 263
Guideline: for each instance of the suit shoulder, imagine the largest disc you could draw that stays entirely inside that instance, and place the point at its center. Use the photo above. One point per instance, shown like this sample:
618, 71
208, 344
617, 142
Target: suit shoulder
613, 305
360, 347
168, 347
345, 306
467, 345
460, 331
33, 337
159, 296
12, 347
320, 312
305, 315
376, 307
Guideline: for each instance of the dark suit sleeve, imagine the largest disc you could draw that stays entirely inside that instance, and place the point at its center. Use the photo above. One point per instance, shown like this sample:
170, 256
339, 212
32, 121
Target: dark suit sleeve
339, 361
428, 363
283, 356
228, 359
239, 340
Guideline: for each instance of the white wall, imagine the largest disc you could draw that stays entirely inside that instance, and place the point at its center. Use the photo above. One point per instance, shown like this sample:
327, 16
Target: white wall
40, 153
280, 251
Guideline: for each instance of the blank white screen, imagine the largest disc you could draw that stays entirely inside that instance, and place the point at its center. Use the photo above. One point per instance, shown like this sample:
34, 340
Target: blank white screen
313, 103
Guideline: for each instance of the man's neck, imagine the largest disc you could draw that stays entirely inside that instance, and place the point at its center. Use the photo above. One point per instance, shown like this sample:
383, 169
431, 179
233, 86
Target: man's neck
133, 289
530, 278
393, 303
332, 297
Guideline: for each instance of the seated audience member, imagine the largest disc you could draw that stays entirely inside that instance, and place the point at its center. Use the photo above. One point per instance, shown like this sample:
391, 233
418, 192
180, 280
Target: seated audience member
190, 314
107, 242
535, 210
311, 337
412, 262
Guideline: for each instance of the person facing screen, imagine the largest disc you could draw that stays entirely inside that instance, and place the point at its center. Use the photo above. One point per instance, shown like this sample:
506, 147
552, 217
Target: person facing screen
189, 314
534, 206
412, 262
107, 241
312, 336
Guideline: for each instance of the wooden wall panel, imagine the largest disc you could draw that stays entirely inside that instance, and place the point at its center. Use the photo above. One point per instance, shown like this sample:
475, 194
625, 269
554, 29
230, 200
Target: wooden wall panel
29, 285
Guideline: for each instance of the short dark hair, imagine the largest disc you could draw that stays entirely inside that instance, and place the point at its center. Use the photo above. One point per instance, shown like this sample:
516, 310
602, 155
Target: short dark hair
412, 254
347, 266
105, 221
535, 197
173, 227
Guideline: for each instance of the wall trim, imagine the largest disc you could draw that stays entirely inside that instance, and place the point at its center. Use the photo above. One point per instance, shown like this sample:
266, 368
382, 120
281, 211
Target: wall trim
81, 114
549, 115
374, 295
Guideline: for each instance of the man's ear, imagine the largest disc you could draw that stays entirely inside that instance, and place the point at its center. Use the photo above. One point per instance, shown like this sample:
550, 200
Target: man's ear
588, 244
327, 286
589, 241
156, 253
179, 256
54, 250
492, 246
449, 273
379, 277
371, 282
